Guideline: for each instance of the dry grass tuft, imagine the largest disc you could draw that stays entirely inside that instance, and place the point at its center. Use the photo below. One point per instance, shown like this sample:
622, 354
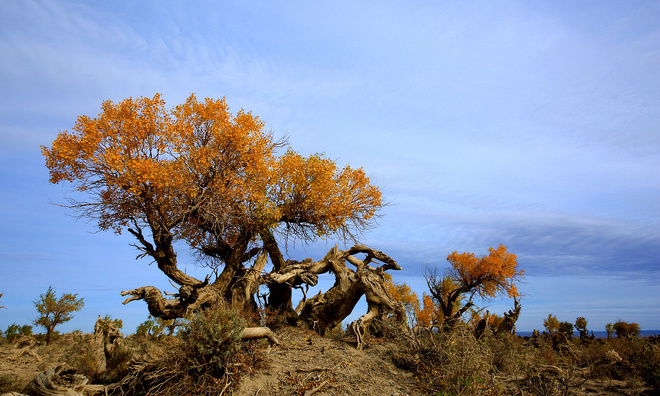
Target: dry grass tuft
449, 363
10, 383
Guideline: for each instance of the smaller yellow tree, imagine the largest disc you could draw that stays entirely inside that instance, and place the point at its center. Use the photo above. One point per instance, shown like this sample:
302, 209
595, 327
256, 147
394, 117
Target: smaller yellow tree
625, 329
53, 311
470, 276
581, 326
551, 323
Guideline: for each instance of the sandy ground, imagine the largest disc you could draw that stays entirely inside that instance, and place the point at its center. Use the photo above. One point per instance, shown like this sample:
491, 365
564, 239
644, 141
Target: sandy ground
304, 364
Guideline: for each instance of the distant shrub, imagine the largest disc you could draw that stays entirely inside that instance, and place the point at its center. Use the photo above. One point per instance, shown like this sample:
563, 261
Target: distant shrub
581, 326
118, 323
625, 329
581, 323
25, 330
609, 329
551, 323
566, 328
336, 332
14, 331
53, 311
156, 327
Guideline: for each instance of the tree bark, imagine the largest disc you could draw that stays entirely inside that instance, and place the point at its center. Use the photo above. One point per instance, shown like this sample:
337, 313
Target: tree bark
510, 318
325, 310
250, 333
109, 335
320, 313
164, 255
187, 300
59, 381
279, 293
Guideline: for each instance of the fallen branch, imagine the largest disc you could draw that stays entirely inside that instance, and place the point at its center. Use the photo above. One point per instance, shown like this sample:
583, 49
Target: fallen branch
60, 381
250, 333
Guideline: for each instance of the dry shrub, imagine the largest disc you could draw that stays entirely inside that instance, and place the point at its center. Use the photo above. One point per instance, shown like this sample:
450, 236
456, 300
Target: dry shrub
546, 354
633, 360
86, 358
629, 359
450, 363
386, 328
509, 353
336, 333
10, 383
118, 363
604, 361
205, 358
640, 360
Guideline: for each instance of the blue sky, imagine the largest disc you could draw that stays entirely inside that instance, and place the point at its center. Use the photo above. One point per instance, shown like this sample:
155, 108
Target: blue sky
531, 124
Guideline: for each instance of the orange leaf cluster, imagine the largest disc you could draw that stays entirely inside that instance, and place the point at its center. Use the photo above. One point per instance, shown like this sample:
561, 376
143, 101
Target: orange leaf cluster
312, 190
488, 275
403, 294
198, 169
429, 315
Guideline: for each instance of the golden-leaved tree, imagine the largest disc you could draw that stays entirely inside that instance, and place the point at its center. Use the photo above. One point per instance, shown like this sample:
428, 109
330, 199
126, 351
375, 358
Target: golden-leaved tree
214, 180
470, 276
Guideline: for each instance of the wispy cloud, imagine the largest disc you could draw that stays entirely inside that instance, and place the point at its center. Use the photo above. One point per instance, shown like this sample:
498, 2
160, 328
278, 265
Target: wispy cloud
531, 125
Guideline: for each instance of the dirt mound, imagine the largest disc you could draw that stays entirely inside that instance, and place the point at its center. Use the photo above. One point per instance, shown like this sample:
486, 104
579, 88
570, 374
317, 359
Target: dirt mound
306, 363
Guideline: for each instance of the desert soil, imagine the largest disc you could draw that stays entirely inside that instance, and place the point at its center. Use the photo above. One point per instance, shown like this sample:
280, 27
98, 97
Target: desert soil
304, 364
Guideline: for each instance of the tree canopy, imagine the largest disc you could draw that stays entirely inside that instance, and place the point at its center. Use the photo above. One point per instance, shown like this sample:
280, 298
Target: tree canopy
214, 180
204, 175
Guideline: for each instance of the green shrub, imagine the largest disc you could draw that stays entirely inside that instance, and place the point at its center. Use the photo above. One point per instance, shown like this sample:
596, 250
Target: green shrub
14, 331
551, 323
204, 358
211, 338
581, 326
154, 327
566, 328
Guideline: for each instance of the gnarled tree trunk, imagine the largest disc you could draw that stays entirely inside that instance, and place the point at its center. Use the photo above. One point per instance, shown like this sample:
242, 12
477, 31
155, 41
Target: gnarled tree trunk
320, 313
510, 318
325, 310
